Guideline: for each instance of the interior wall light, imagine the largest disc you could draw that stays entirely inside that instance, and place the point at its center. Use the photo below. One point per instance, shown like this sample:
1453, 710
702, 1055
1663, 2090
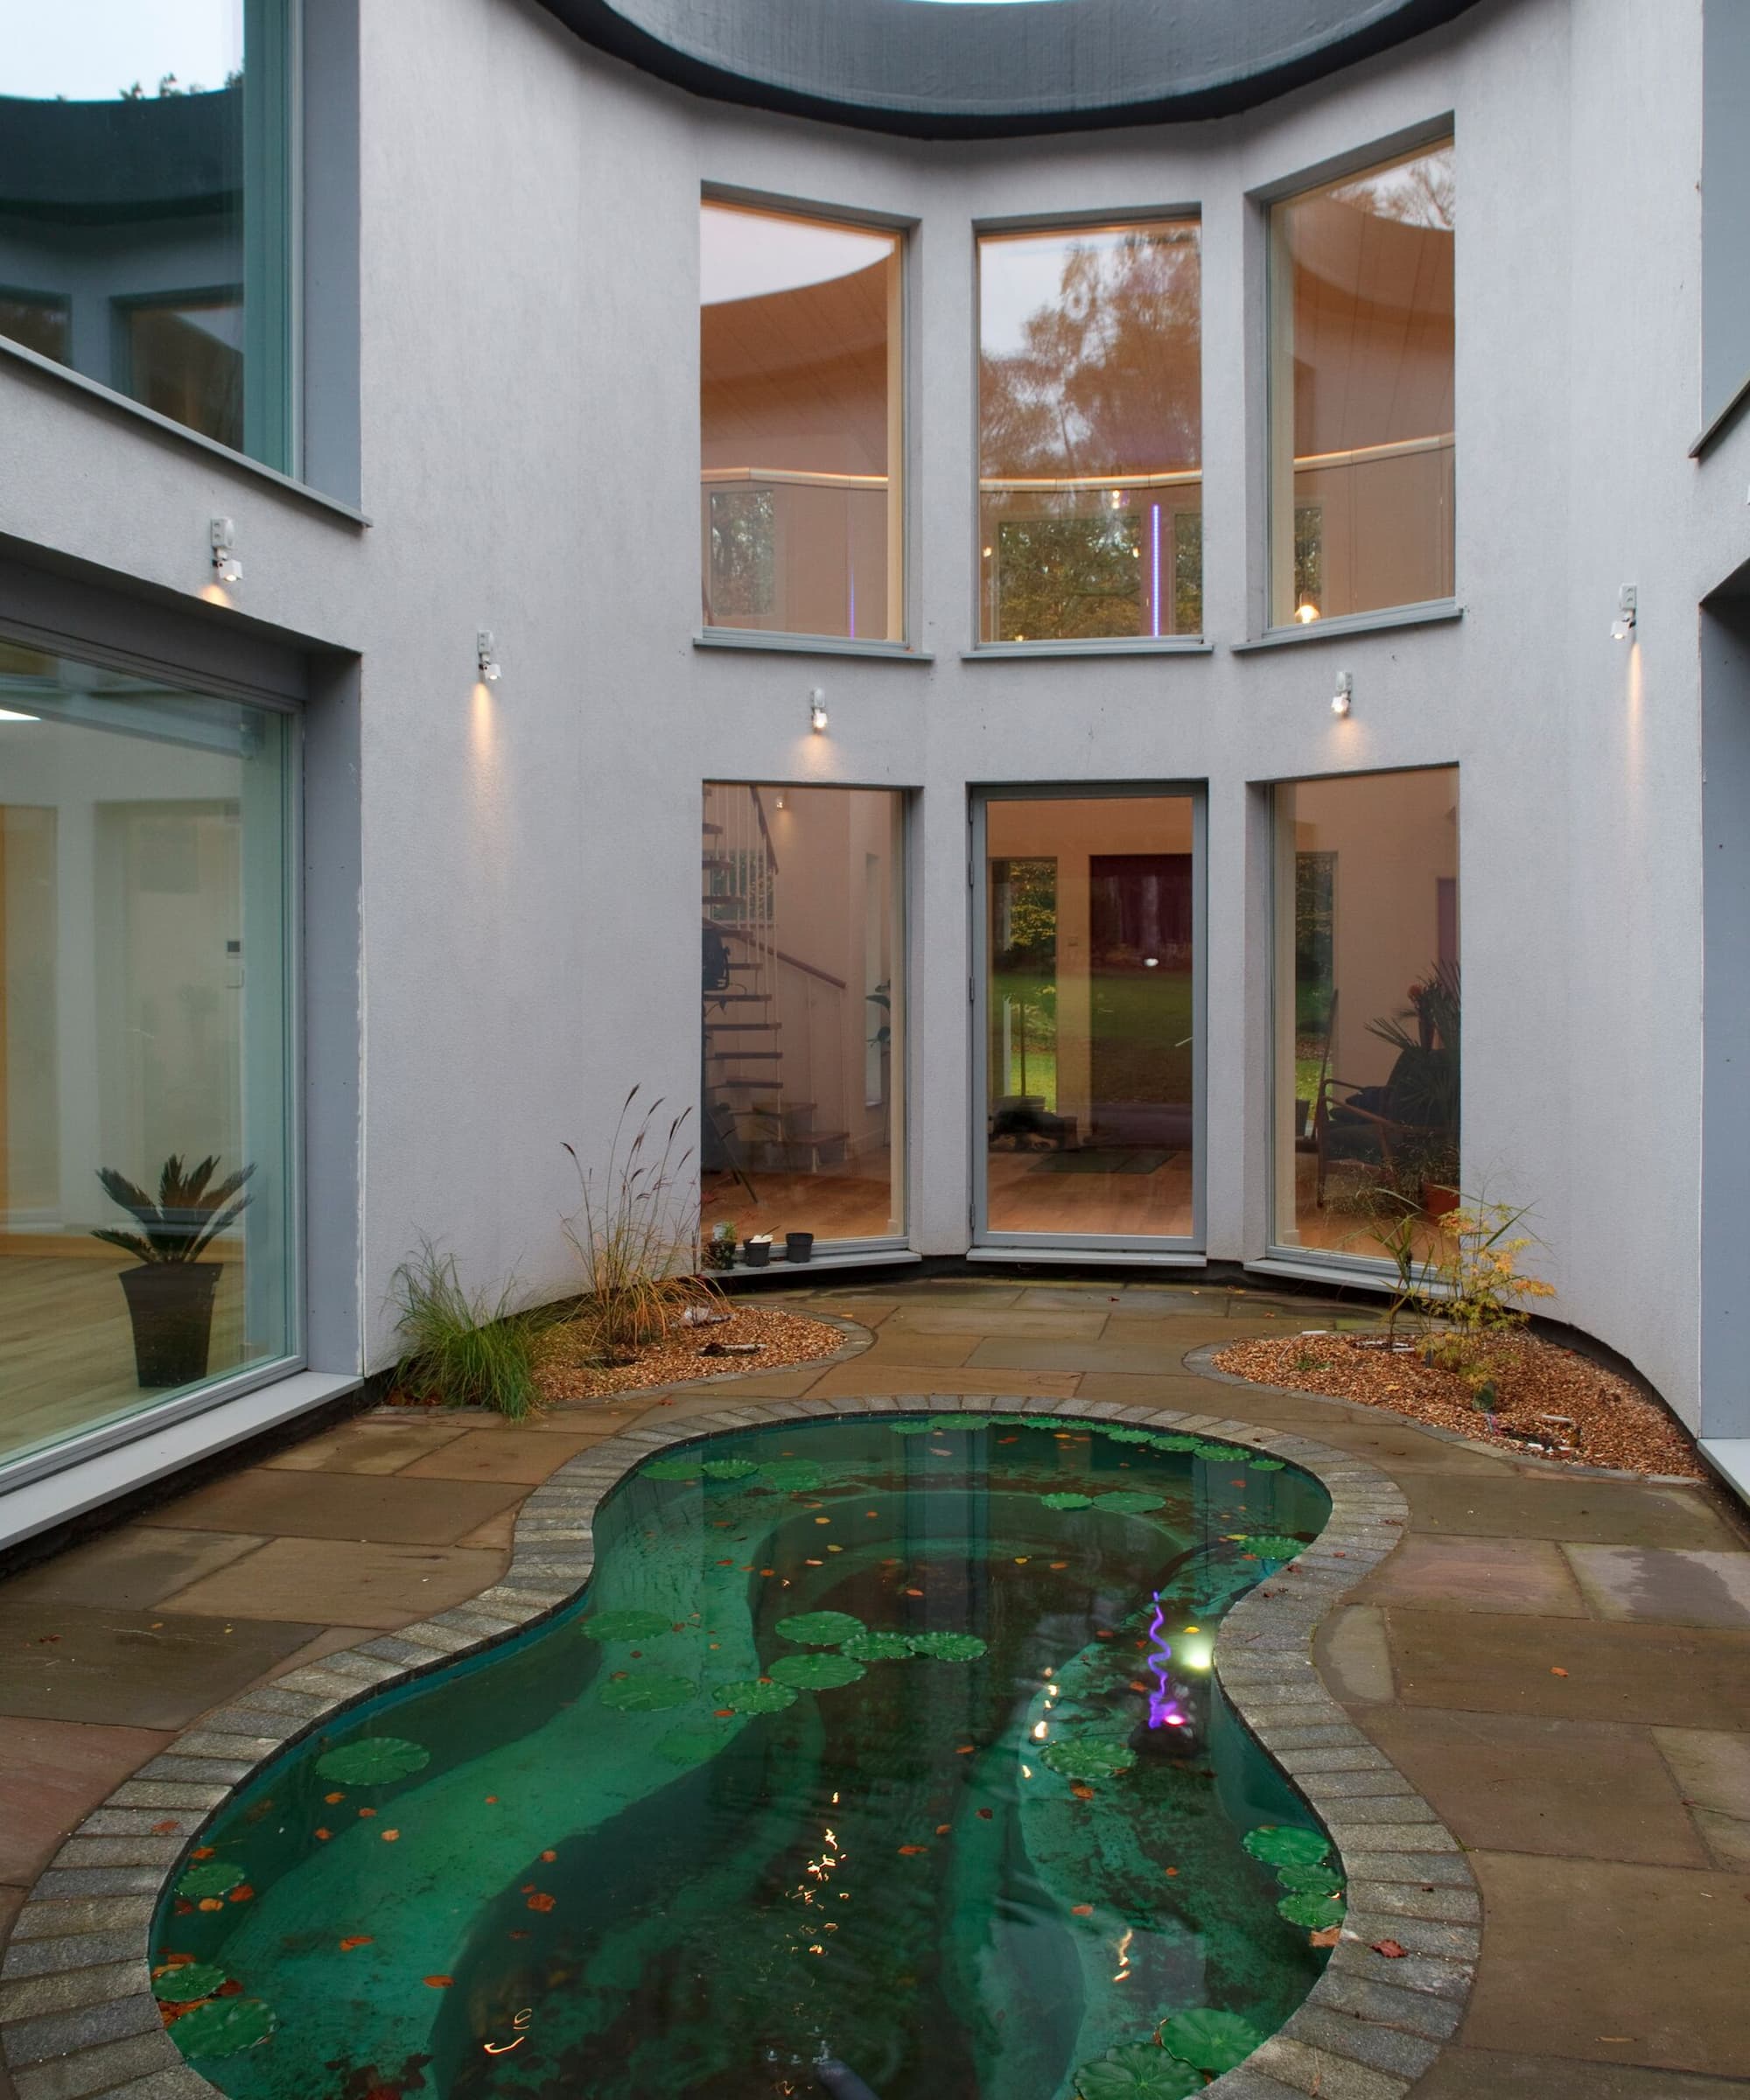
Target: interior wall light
1343, 698
486, 651
1627, 607
221, 535
1306, 613
818, 711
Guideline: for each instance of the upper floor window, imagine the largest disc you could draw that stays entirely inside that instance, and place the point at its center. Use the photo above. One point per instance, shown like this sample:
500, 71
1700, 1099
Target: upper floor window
145, 207
802, 398
1090, 433
1361, 392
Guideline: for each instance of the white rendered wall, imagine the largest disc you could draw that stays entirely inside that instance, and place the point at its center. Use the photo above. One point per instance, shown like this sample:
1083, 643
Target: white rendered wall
530, 417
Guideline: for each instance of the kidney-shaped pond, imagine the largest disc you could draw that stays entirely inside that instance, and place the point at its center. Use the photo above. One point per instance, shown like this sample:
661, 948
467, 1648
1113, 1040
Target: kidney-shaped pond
881, 1756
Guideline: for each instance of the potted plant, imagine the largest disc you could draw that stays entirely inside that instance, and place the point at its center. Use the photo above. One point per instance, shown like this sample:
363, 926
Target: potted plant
720, 1248
170, 1294
757, 1250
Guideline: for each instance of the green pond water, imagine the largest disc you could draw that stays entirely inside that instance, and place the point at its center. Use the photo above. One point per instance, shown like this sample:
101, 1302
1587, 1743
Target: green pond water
975, 1827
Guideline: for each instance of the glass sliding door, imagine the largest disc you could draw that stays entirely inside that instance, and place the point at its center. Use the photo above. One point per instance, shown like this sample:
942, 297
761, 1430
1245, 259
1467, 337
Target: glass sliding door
802, 1105
146, 1154
1089, 1035
1367, 1007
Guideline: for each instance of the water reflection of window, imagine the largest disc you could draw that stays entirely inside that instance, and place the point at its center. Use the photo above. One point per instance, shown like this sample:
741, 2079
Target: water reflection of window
143, 154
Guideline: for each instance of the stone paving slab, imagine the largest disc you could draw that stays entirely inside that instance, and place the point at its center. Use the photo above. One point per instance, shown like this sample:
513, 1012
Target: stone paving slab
1600, 1512
1664, 1587
369, 1585
391, 1510
131, 1568
77, 1662
1484, 1575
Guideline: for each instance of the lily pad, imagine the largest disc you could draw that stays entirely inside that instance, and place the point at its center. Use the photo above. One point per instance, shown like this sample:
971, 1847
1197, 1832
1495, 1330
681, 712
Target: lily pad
1122, 1434
648, 1691
194, 1979
1176, 1440
693, 1746
1093, 1757
373, 1761
1324, 1879
1273, 1545
1266, 1464
728, 1469
749, 1695
624, 1625
792, 1475
877, 1648
1286, 1845
1129, 1501
1137, 2071
947, 1647
1224, 1454
1314, 1912
958, 1421
912, 1429
820, 1629
671, 1469
212, 1877
1067, 1502
223, 2027
1210, 2040
816, 1673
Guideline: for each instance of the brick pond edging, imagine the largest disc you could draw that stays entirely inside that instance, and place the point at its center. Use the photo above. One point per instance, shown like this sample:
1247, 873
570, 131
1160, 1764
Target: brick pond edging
78, 2020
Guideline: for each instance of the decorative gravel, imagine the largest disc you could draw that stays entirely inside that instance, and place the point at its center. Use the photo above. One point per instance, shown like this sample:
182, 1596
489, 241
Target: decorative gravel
563, 1370
1550, 1403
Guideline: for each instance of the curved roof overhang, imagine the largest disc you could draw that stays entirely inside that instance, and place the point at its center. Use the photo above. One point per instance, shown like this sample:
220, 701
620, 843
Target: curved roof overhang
996, 72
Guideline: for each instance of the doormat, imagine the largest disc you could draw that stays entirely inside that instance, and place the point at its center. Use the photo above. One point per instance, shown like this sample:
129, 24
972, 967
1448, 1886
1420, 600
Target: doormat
1097, 1160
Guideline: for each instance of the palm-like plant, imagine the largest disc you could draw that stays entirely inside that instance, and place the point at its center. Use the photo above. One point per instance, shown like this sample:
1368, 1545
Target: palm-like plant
187, 1215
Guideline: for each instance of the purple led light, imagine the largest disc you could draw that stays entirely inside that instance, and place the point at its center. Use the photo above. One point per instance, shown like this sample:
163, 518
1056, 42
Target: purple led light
1165, 1710
1154, 514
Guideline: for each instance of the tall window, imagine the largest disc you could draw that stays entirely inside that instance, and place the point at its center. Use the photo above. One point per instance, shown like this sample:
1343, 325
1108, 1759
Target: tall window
1366, 1002
1361, 392
145, 207
145, 1149
803, 1018
1090, 433
801, 515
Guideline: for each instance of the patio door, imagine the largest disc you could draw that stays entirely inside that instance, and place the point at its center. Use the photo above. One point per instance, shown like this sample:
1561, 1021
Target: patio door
1087, 1017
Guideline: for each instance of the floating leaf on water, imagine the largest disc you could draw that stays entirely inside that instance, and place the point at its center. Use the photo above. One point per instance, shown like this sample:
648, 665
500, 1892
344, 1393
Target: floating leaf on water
790, 1475
1129, 1501
1226, 1454
948, 1647
1210, 2040
223, 2027
817, 1672
820, 1629
1120, 1434
1286, 1845
1093, 1757
728, 1469
671, 1469
749, 1695
877, 1648
624, 1625
1137, 2071
210, 1877
373, 1761
912, 1429
1067, 1502
194, 1979
958, 1421
1176, 1440
1324, 1879
693, 1746
1273, 1545
1316, 1913
1266, 1464
648, 1691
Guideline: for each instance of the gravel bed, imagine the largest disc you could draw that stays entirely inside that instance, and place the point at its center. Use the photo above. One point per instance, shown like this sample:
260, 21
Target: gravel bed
1550, 1403
563, 1372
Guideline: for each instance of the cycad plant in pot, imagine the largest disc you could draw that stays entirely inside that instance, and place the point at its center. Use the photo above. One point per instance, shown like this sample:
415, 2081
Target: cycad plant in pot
170, 1294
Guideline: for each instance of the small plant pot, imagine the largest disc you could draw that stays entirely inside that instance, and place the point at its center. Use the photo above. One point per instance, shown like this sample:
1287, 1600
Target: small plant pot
757, 1254
719, 1254
799, 1246
1438, 1201
171, 1306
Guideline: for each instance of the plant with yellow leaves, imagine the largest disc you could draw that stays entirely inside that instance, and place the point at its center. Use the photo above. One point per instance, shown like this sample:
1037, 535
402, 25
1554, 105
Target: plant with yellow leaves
1474, 1282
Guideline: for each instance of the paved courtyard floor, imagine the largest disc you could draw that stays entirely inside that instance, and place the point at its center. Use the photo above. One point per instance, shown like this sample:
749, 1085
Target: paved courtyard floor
1559, 1662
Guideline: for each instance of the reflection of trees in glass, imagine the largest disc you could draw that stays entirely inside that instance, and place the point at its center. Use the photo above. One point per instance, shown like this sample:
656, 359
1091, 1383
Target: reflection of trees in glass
1024, 968
1068, 578
743, 554
1415, 192
1315, 878
1309, 553
1188, 572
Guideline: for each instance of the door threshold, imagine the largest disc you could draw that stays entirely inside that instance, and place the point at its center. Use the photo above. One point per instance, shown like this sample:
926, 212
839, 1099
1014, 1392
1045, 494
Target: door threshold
1093, 1257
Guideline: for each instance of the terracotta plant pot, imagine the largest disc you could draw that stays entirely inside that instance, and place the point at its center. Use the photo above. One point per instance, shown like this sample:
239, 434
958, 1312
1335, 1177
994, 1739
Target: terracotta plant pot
1437, 1201
799, 1246
170, 1304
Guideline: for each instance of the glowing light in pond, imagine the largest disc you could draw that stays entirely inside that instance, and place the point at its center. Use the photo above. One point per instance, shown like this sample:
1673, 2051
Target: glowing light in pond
1038, 1732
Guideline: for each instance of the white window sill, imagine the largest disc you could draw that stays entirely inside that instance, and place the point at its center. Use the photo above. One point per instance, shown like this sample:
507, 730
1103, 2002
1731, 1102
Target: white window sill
1118, 645
1434, 612
806, 645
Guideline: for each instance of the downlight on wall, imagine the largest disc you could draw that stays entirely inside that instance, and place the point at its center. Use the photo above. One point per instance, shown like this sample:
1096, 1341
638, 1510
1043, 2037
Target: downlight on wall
1343, 698
817, 716
1627, 614
221, 535
485, 654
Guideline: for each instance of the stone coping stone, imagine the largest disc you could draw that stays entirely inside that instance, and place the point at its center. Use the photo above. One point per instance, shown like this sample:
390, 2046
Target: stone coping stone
1368, 2028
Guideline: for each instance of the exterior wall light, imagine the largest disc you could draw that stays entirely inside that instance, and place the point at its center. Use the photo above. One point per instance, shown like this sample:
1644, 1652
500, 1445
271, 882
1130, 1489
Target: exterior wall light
486, 651
1343, 698
221, 533
1627, 605
818, 711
